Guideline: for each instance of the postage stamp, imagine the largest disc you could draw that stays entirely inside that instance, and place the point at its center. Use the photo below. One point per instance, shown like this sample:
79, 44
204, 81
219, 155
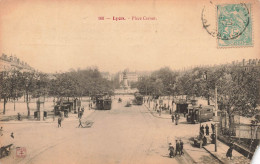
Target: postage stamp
234, 25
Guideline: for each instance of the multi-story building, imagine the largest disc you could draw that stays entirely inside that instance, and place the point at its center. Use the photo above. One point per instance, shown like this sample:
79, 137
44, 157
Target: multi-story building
248, 64
9, 63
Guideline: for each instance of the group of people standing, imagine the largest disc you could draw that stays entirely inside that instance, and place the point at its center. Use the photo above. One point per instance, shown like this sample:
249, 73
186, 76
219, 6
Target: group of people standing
175, 117
204, 131
80, 114
178, 150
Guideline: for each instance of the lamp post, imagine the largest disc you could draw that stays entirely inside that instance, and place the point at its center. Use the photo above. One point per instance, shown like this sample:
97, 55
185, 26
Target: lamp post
199, 117
89, 101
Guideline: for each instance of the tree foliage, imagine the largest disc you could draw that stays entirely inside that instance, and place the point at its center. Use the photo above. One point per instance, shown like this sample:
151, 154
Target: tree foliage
237, 86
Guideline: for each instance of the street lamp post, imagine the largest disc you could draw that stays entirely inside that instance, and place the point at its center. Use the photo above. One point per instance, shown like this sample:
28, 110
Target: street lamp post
89, 101
199, 118
216, 115
216, 126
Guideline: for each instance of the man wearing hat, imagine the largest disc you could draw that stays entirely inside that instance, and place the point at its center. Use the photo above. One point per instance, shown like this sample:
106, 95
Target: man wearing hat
171, 149
181, 147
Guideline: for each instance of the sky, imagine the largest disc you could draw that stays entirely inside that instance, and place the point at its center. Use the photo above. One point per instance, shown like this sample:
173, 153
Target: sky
58, 35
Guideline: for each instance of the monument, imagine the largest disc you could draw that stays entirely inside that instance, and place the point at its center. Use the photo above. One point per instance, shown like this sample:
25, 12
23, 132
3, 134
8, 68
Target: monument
125, 81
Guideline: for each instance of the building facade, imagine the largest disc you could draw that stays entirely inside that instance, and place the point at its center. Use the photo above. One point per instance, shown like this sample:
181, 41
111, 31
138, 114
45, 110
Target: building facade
9, 63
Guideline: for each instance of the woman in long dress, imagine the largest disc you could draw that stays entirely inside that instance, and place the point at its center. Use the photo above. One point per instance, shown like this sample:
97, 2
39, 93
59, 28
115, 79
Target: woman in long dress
229, 152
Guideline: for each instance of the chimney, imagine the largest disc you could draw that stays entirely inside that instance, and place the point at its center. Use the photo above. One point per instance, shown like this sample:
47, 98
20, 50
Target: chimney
243, 62
250, 61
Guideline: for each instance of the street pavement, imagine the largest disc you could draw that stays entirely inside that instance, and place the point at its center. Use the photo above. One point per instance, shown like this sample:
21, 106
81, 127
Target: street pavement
221, 154
199, 155
130, 135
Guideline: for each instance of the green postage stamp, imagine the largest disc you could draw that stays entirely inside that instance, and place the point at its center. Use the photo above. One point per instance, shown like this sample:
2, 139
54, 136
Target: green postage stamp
234, 25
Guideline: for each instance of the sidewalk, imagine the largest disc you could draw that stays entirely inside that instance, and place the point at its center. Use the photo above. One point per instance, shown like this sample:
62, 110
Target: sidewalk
156, 114
199, 155
221, 154
72, 117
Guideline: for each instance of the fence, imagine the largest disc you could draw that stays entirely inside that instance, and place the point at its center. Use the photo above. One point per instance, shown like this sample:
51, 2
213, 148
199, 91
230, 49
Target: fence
247, 135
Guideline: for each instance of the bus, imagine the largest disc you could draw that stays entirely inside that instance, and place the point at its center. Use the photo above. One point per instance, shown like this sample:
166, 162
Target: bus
198, 114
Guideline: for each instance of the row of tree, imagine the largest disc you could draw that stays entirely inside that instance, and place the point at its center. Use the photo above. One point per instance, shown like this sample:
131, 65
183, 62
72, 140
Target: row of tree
237, 87
15, 84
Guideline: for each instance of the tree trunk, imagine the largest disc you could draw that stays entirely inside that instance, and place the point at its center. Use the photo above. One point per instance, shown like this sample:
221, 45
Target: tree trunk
208, 99
27, 102
5, 101
229, 121
14, 104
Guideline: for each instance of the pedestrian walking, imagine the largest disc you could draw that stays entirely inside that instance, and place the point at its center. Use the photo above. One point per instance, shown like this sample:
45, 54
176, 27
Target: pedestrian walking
171, 149
172, 118
59, 122
12, 135
177, 148
229, 152
176, 119
207, 129
181, 147
80, 124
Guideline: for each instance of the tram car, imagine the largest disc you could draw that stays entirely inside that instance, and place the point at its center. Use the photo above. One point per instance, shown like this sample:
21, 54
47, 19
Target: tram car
107, 103
198, 114
139, 99
103, 102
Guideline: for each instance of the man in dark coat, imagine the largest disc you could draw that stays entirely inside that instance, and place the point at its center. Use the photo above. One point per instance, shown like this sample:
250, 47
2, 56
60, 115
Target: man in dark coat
213, 128
171, 149
177, 147
213, 137
229, 152
205, 141
207, 129
202, 130
181, 147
